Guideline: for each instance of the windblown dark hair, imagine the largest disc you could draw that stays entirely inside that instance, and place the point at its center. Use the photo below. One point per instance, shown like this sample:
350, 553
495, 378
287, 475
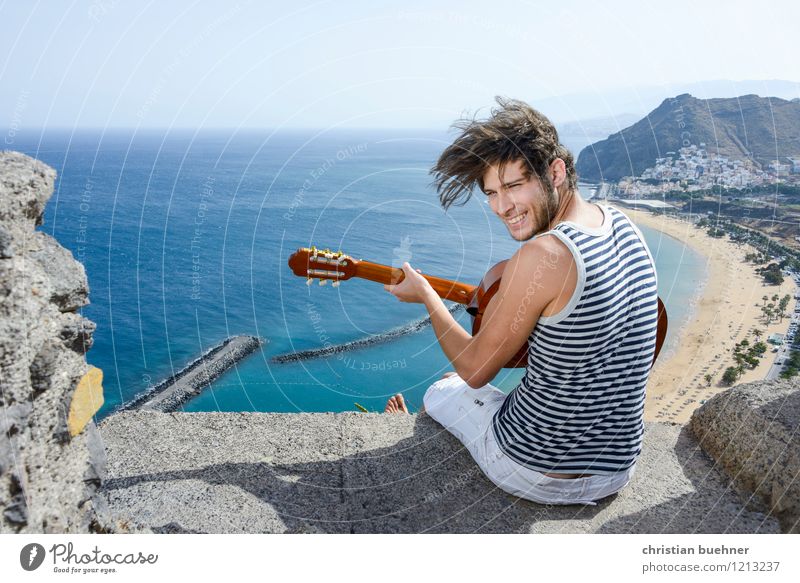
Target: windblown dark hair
515, 131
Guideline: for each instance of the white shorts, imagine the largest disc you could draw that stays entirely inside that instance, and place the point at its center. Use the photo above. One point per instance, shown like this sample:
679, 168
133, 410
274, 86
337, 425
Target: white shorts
467, 413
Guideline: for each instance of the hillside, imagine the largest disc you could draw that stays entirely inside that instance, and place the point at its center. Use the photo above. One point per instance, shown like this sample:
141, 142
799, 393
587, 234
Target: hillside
760, 128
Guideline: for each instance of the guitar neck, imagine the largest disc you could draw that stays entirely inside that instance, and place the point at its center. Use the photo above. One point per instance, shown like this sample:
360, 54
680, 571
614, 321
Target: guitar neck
447, 289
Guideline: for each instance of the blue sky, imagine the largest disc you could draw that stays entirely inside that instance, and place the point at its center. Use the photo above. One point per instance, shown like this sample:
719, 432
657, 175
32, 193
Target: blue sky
108, 63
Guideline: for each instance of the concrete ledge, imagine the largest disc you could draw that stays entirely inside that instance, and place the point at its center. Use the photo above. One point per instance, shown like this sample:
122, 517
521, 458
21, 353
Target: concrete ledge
354, 472
752, 432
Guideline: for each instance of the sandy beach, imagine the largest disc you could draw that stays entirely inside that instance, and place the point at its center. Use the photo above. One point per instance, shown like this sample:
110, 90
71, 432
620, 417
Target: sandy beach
725, 311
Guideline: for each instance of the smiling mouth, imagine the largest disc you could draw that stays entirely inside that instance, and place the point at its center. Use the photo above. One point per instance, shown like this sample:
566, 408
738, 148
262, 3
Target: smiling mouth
517, 219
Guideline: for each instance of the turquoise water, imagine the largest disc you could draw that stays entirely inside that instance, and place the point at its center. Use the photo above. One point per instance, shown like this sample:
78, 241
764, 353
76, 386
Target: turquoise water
185, 238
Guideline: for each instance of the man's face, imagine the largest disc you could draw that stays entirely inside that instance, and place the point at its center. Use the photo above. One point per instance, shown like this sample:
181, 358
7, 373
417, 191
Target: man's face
521, 203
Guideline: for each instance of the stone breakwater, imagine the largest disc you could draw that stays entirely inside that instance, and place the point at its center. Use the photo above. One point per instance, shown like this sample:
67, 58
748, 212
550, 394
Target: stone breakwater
392, 334
171, 393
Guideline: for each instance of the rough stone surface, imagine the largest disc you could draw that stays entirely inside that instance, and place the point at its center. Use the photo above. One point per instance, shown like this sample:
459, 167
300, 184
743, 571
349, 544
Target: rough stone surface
353, 472
69, 289
48, 480
77, 332
753, 433
25, 185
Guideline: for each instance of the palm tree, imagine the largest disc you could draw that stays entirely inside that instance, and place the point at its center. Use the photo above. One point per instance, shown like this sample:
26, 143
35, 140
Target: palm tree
757, 333
730, 375
708, 378
765, 298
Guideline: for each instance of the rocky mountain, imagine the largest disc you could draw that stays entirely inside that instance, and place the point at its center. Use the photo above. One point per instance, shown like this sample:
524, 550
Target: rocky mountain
747, 127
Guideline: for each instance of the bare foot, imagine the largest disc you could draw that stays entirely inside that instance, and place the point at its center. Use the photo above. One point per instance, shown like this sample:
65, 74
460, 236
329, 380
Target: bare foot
396, 404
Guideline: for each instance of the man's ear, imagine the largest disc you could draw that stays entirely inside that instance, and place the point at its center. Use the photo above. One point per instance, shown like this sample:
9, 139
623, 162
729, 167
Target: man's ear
558, 172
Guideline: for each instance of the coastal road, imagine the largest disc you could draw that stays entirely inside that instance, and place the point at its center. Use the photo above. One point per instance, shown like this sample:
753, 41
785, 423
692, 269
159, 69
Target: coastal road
775, 369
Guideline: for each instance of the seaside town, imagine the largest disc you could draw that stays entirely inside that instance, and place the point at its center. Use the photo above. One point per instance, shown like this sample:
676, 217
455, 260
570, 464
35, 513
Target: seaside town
694, 168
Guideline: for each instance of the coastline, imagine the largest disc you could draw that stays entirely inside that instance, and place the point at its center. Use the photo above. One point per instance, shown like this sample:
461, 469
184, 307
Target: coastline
725, 309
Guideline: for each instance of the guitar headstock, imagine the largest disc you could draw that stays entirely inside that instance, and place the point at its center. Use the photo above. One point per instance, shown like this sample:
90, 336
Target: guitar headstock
322, 264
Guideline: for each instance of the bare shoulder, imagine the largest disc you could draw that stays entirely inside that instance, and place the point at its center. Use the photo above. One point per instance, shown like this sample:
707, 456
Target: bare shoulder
546, 266
545, 254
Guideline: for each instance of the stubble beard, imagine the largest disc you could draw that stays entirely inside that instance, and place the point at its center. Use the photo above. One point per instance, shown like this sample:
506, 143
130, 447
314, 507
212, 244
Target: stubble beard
542, 216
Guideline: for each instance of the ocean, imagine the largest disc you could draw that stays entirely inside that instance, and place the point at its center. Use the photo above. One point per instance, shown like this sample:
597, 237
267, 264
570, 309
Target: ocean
185, 237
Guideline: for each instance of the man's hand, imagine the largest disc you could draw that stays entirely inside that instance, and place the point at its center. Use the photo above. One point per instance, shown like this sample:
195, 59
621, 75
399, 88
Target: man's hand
414, 288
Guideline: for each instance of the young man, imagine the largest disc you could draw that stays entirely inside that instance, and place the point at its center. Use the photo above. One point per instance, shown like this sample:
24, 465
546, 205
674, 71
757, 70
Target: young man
581, 290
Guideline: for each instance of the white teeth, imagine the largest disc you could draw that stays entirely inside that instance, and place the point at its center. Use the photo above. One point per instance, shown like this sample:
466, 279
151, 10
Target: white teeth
517, 219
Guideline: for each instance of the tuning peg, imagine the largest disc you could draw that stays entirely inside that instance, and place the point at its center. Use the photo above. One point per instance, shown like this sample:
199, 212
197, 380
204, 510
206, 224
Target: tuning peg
323, 281
335, 284
308, 281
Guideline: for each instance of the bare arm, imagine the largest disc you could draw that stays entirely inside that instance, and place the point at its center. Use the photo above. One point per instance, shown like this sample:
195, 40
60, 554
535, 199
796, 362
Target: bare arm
452, 337
534, 276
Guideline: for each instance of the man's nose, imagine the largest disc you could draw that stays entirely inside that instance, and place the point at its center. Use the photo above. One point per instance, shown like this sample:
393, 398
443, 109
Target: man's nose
505, 203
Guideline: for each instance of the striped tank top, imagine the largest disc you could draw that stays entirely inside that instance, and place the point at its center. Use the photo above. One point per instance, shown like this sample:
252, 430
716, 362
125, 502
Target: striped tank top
579, 407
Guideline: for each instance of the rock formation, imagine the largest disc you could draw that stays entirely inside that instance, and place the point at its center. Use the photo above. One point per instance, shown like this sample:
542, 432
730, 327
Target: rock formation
753, 433
52, 458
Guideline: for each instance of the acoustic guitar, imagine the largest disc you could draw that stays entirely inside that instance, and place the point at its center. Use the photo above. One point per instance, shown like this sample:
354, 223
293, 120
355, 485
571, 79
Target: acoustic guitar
326, 265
